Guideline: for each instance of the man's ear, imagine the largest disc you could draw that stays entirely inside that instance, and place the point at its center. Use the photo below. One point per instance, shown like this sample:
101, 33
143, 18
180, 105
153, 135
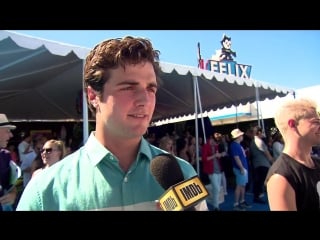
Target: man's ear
91, 94
291, 123
92, 97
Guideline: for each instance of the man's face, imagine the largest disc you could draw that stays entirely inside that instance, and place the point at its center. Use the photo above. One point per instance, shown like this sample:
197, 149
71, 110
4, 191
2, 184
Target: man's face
5, 135
309, 129
128, 100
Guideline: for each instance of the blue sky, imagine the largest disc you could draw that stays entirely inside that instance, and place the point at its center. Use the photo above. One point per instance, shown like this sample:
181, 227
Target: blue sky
288, 58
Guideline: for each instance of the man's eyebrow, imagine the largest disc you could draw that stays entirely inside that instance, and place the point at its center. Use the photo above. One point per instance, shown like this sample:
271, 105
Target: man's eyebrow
153, 85
315, 119
134, 83
128, 82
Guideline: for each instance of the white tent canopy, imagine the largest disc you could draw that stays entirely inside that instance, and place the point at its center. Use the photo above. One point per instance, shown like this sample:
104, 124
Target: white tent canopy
216, 91
40, 80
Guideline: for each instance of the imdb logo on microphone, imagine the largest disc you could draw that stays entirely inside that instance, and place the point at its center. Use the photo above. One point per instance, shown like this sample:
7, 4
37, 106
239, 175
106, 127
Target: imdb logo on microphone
183, 195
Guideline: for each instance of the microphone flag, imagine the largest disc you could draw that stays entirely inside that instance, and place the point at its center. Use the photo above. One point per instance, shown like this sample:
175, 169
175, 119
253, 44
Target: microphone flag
183, 195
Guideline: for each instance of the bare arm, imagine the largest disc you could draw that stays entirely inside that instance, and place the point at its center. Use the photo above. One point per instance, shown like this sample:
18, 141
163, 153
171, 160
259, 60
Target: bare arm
9, 197
239, 163
263, 147
268, 155
207, 157
281, 195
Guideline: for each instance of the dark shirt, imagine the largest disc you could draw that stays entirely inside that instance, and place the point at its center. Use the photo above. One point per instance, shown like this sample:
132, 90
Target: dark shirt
305, 181
5, 172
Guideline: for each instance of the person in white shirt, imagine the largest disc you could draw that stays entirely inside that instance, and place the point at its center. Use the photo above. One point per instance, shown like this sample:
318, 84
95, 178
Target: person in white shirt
26, 154
278, 144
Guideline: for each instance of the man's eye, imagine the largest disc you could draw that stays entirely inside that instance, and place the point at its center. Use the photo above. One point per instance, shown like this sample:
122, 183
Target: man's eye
127, 88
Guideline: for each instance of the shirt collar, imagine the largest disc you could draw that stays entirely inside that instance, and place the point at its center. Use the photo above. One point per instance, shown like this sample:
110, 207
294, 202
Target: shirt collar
94, 146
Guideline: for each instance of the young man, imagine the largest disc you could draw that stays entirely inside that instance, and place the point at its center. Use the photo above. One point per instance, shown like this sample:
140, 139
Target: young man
293, 181
240, 170
8, 192
112, 170
261, 161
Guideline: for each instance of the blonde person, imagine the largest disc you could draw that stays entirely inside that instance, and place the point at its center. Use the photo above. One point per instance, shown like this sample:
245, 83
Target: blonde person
293, 180
52, 152
112, 168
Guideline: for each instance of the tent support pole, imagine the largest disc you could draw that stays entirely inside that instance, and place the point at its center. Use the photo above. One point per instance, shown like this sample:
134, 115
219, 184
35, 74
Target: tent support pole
260, 119
195, 81
197, 100
84, 112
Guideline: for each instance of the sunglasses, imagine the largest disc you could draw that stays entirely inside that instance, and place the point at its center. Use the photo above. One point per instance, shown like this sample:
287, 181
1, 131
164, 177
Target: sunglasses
46, 150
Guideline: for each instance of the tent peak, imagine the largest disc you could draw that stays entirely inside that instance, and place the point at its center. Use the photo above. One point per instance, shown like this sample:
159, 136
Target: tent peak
55, 47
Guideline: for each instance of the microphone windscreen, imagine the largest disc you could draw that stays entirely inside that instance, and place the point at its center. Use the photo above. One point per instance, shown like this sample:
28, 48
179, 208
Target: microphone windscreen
166, 170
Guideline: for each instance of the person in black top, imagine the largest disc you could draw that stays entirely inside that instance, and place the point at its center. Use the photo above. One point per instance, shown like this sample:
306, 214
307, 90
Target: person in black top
293, 181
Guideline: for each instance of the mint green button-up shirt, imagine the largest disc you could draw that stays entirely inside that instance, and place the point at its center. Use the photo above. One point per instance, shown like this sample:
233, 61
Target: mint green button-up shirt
91, 179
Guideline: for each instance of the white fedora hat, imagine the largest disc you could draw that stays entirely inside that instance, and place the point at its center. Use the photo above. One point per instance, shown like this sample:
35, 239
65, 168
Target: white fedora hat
4, 122
235, 133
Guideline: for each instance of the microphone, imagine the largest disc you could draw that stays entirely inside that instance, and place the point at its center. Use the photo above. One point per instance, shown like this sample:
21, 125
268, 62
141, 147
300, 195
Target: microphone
180, 194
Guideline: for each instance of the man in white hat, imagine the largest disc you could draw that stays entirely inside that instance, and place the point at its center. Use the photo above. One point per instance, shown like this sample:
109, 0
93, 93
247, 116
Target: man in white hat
8, 192
240, 170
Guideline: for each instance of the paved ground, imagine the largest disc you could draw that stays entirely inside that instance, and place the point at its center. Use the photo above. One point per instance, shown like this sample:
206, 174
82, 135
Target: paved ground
227, 205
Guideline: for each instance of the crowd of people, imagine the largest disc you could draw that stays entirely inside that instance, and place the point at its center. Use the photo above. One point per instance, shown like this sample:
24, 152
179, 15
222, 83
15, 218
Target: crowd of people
112, 168
22, 162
